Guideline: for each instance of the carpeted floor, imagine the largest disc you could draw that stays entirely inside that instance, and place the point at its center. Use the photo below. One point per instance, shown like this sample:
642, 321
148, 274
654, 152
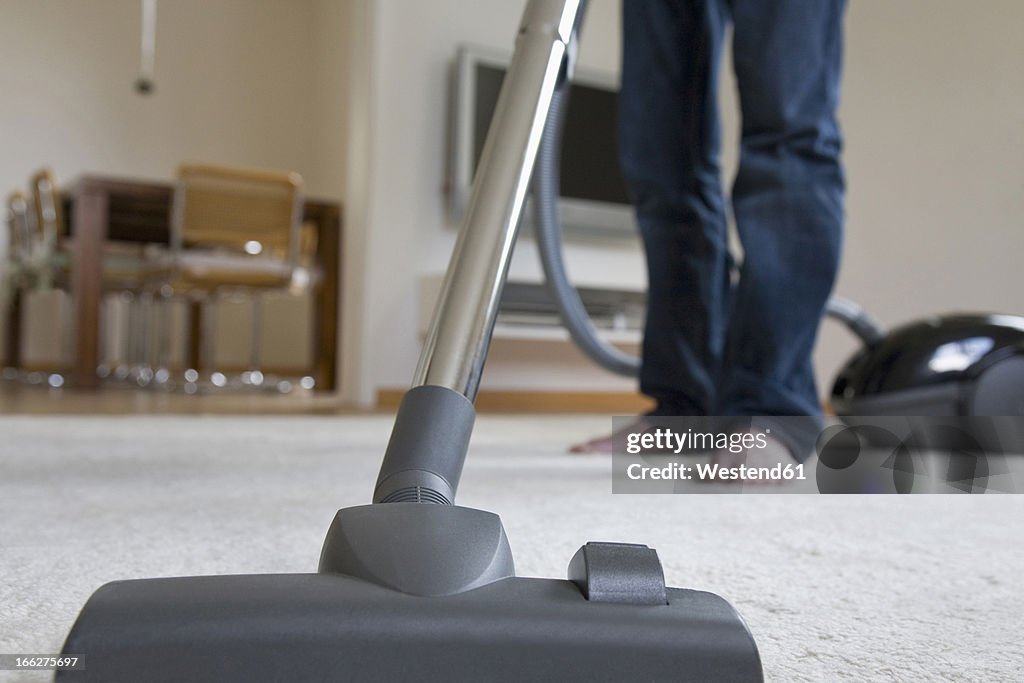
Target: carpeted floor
885, 588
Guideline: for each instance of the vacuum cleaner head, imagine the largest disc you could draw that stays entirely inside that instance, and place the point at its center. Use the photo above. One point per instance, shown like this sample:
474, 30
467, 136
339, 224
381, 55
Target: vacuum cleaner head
319, 627
953, 365
415, 591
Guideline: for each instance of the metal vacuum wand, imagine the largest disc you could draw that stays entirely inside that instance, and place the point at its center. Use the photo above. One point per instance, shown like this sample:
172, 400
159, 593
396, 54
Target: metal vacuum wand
428, 445
460, 333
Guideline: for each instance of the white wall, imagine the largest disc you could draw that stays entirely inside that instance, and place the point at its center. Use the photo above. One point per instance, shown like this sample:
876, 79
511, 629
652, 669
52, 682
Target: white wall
233, 82
329, 108
933, 114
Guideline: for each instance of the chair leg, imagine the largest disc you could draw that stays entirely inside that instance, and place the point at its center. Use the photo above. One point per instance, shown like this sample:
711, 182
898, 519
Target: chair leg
125, 326
143, 372
193, 343
106, 347
12, 359
162, 336
66, 349
131, 345
254, 376
208, 362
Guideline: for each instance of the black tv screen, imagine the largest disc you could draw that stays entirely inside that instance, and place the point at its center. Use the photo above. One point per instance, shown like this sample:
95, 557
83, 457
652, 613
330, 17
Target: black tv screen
589, 160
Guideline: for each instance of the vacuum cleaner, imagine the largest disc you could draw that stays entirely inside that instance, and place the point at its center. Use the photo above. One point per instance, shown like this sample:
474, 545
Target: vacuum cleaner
413, 586
952, 365
957, 382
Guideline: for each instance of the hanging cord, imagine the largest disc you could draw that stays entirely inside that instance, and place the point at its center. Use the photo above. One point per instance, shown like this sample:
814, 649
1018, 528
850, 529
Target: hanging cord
144, 84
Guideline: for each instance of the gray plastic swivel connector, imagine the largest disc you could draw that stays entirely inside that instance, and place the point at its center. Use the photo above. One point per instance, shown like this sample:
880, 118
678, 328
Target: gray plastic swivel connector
428, 445
428, 550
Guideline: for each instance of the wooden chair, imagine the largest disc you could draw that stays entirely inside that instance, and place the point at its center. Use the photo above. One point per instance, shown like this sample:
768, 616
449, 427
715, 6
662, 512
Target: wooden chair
233, 230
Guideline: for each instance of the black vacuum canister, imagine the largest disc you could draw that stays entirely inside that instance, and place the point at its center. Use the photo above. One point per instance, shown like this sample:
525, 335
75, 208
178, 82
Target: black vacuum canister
953, 365
956, 366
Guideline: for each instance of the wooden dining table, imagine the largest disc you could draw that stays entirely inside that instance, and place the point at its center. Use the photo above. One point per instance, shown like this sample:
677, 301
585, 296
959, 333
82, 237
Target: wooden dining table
99, 208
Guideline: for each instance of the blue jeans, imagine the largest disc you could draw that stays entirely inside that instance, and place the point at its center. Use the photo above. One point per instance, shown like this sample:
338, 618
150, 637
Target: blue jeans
718, 342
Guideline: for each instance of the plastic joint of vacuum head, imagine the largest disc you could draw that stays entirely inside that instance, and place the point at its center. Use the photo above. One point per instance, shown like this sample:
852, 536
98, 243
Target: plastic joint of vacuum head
424, 458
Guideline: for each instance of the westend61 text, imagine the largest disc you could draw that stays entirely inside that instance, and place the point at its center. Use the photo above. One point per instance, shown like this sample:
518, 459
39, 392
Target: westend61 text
714, 472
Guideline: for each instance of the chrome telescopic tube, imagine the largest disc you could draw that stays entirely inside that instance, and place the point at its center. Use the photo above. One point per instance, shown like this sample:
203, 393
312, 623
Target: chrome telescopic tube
460, 332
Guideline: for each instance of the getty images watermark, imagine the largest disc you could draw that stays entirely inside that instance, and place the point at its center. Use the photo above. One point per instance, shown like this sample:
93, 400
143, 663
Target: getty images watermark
810, 455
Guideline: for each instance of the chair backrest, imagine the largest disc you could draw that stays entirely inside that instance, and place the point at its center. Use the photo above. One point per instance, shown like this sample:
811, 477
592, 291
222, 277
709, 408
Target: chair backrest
237, 209
47, 209
19, 227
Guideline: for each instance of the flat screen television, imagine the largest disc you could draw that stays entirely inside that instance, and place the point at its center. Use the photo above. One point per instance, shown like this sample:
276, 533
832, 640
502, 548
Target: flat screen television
593, 200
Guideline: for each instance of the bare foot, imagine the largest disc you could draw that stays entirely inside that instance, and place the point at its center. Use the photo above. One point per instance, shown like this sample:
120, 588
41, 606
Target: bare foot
605, 444
755, 465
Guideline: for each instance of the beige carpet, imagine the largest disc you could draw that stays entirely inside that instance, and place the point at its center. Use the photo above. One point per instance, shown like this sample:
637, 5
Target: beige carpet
886, 588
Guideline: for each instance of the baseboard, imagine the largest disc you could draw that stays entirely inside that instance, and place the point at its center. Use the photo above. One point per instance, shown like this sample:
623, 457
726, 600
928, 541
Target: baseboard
273, 371
501, 401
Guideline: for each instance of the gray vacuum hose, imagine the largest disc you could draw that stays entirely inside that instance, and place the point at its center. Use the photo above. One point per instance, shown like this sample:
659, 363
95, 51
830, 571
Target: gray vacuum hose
546, 190
856, 319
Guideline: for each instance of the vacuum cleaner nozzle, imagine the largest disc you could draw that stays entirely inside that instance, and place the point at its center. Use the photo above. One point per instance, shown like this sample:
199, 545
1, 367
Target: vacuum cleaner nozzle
325, 627
416, 590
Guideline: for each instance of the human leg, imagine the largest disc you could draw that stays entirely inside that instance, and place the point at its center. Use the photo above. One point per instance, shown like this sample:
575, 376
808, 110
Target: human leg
787, 200
669, 138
